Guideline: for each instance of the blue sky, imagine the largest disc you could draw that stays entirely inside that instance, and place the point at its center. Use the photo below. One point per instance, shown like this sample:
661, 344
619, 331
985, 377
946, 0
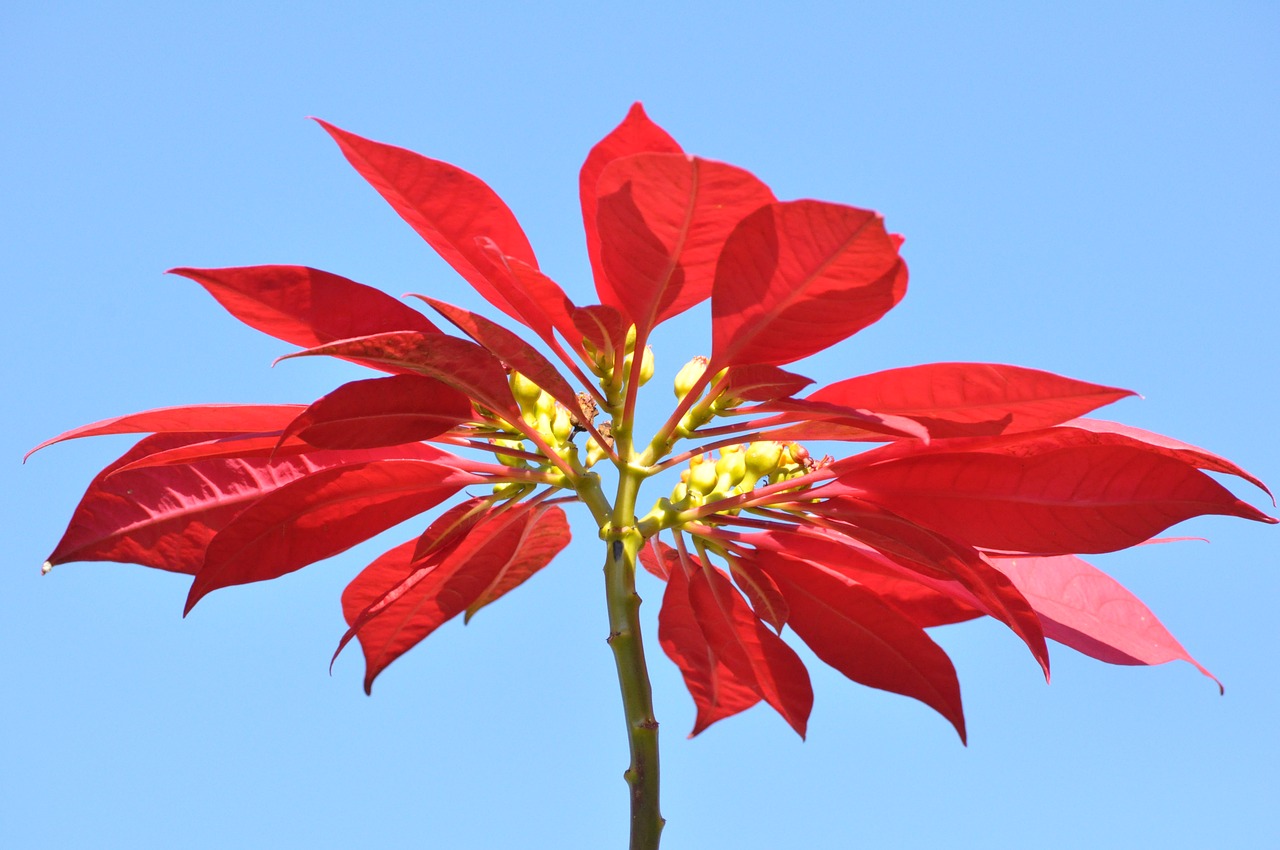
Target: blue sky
1091, 190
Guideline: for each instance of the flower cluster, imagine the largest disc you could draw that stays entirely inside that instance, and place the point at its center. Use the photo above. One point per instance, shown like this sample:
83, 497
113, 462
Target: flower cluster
983, 487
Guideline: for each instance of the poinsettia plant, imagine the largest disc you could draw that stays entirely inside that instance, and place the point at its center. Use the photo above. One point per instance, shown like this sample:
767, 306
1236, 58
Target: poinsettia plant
982, 489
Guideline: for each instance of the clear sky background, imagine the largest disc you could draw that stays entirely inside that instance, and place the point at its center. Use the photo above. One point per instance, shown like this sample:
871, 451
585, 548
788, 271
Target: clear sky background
1092, 190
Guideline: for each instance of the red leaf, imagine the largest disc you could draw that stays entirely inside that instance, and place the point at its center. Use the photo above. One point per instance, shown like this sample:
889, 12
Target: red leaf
512, 350
395, 602
663, 219
958, 582
1194, 455
545, 534
268, 447
766, 600
165, 517
601, 326
797, 277
883, 424
755, 656
538, 299
306, 307
225, 418
319, 516
964, 399
451, 527
381, 412
459, 363
926, 551
636, 134
1063, 501
848, 627
453, 210
784, 429
716, 692
656, 557
763, 383
1089, 611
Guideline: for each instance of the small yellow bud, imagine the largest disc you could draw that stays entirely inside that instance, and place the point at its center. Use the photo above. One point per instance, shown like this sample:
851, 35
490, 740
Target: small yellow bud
703, 478
595, 453
689, 375
509, 460
525, 391
507, 489
561, 425
762, 458
731, 468
646, 365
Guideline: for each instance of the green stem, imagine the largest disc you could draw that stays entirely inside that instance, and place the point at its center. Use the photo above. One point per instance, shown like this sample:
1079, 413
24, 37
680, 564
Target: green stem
623, 539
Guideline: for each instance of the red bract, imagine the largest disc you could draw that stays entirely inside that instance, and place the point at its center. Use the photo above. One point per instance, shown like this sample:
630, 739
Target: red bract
986, 485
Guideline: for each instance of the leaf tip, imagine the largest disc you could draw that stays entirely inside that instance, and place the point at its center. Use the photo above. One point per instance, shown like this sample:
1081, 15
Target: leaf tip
46, 568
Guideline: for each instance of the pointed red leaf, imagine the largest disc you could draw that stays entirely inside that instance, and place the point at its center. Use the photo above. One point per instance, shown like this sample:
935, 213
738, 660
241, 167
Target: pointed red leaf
512, 350
848, 627
165, 517
538, 299
662, 220
1063, 501
925, 599
797, 277
226, 418
958, 582
268, 447
655, 556
319, 516
459, 363
784, 429
381, 412
926, 551
304, 306
396, 602
546, 533
763, 383
964, 399
1089, 611
755, 656
636, 134
601, 326
453, 210
1194, 455
884, 424
452, 527
716, 692
766, 600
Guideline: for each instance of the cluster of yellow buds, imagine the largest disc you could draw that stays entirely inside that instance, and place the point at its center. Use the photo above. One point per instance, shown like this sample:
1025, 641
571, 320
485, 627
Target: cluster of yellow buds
602, 362
554, 423
737, 470
705, 410
551, 419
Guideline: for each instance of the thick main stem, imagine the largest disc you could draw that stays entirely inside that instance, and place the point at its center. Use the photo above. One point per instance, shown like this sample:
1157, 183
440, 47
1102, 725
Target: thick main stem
623, 539
637, 700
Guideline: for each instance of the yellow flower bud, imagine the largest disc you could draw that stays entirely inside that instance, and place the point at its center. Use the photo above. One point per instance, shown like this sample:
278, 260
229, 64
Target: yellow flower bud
689, 375
509, 460
595, 453
731, 467
646, 365
525, 391
762, 458
561, 425
703, 478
